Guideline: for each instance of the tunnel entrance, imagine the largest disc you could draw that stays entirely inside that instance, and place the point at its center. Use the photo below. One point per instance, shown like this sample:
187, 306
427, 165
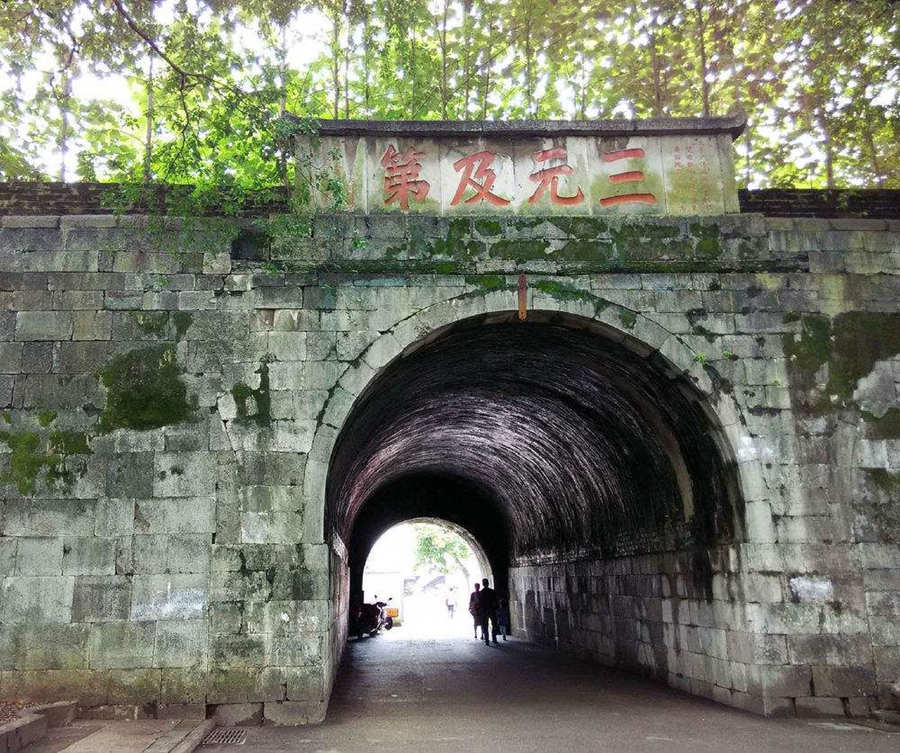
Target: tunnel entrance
593, 474
426, 568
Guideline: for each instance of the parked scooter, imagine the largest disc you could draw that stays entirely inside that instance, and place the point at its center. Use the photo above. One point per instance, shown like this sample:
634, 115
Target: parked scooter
370, 618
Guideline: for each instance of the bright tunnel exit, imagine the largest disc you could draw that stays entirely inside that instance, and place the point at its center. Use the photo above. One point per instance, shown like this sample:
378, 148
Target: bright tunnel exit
427, 568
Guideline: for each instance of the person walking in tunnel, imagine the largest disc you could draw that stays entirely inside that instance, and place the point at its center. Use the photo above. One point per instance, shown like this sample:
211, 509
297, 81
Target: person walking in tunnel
487, 610
474, 609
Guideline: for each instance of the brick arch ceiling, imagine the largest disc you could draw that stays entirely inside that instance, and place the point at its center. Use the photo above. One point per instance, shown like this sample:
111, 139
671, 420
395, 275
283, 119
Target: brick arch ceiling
572, 440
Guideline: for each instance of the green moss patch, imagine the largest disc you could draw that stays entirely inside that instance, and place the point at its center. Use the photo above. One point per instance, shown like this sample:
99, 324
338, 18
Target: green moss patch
562, 292
254, 405
144, 390
183, 320
32, 453
850, 345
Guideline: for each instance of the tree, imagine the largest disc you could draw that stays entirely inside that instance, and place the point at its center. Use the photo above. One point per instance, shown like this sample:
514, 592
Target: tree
440, 550
207, 79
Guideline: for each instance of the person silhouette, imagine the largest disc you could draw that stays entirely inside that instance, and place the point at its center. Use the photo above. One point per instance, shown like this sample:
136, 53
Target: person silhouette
487, 611
474, 609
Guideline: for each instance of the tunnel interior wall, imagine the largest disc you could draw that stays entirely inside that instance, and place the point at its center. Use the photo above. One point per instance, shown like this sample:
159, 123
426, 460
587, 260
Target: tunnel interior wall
169, 412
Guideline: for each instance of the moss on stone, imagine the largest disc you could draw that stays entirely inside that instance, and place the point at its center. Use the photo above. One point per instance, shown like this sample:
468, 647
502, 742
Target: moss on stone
886, 427
46, 417
708, 240
812, 350
32, 453
488, 228
562, 292
884, 479
487, 283
520, 250
860, 339
153, 323
628, 318
26, 460
850, 345
144, 390
183, 320
261, 397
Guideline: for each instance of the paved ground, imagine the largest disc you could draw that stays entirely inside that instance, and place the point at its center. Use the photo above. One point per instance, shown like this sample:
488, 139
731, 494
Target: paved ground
459, 696
97, 736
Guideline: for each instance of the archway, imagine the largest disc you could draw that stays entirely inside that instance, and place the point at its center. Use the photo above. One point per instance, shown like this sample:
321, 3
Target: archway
570, 451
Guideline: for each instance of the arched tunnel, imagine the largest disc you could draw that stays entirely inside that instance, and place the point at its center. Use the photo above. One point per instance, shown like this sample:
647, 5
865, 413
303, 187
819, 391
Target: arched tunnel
548, 440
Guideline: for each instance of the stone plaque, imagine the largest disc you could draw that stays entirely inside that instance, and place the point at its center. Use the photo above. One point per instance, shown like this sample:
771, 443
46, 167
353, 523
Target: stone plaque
654, 167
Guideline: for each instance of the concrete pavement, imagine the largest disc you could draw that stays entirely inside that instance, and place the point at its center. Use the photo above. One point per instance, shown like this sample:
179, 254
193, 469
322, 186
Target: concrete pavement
459, 696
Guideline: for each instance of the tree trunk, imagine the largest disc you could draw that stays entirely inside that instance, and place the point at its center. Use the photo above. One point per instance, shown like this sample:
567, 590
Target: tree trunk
444, 63
335, 62
829, 148
63, 102
701, 33
873, 154
657, 87
148, 138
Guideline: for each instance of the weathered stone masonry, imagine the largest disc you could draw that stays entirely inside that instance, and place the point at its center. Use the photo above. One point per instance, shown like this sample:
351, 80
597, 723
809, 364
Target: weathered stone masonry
168, 420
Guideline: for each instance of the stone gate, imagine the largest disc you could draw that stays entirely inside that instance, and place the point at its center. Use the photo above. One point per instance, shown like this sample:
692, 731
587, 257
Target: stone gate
672, 427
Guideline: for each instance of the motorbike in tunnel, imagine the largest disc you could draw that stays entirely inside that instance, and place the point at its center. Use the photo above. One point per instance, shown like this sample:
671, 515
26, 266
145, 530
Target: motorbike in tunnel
370, 618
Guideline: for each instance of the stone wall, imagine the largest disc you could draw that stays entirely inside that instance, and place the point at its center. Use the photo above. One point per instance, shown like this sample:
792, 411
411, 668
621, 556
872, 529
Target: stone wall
168, 415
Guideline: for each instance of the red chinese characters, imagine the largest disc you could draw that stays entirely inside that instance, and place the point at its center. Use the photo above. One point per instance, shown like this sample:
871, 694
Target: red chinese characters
401, 177
548, 178
477, 174
629, 176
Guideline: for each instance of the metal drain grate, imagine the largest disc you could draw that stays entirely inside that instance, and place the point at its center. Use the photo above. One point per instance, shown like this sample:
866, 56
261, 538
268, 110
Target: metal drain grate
226, 736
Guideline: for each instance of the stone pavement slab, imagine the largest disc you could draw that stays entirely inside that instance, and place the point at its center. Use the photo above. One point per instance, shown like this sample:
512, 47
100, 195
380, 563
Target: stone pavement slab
460, 696
134, 736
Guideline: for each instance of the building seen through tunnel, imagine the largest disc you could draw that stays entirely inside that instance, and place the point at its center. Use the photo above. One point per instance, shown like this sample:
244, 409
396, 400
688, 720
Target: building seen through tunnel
661, 413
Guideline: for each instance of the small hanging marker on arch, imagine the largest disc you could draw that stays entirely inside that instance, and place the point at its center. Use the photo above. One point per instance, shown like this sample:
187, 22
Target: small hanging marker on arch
523, 301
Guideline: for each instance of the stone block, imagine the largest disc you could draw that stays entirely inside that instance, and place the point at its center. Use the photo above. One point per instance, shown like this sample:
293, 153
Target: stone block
183, 685
101, 598
127, 645
52, 647
180, 643
137, 686
39, 556
21, 732
184, 474
10, 357
168, 597
44, 325
89, 556
819, 707
114, 517
150, 554
756, 648
843, 682
47, 685
8, 550
130, 475
239, 714
6, 390
194, 711
294, 713
36, 600
188, 553
37, 357
833, 650
785, 681
80, 357
184, 515
52, 517
237, 651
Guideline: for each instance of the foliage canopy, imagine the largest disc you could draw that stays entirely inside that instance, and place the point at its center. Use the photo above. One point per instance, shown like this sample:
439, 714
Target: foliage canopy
190, 91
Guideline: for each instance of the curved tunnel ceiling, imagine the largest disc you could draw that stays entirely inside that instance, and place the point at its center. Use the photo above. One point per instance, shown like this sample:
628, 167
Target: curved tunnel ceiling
565, 438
